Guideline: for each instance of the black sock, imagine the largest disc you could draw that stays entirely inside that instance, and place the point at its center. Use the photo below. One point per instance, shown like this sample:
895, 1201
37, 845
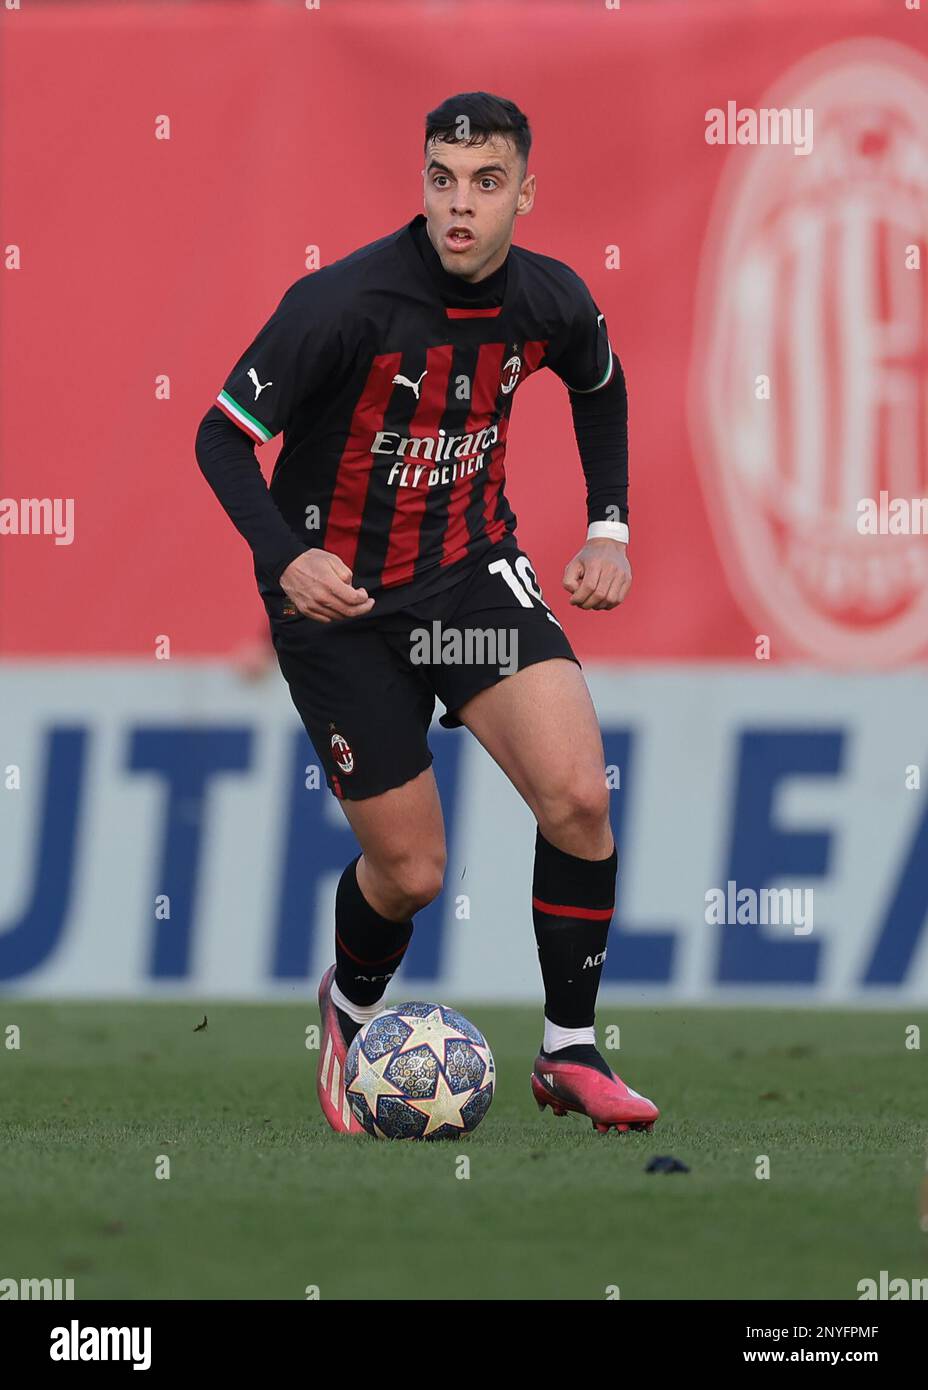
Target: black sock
368, 947
572, 905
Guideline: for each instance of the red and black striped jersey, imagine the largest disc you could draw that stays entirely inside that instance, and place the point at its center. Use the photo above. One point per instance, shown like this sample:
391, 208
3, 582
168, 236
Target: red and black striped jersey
394, 403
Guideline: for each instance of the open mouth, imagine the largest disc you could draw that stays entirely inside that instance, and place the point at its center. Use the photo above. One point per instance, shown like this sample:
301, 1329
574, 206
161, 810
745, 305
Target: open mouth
459, 239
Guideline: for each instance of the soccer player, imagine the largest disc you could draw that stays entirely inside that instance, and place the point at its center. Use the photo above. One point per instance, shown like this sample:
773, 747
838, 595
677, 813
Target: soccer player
392, 374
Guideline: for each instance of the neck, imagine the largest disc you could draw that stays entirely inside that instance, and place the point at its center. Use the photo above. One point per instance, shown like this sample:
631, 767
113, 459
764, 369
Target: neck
486, 292
484, 272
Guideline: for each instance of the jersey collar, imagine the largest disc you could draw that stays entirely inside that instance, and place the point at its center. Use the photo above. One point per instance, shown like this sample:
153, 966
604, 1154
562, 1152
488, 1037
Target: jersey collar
451, 291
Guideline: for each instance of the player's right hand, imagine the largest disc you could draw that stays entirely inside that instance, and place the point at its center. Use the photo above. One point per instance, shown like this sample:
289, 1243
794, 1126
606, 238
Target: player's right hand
319, 584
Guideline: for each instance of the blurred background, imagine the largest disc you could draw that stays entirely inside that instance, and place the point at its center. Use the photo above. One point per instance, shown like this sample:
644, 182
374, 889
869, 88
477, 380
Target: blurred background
167, 171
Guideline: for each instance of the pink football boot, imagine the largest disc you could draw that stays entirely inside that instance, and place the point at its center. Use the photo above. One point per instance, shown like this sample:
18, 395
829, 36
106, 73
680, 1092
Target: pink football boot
581, 1087
330, 1074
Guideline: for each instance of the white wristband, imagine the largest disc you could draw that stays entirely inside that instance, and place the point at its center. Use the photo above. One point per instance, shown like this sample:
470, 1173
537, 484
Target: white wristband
613, 530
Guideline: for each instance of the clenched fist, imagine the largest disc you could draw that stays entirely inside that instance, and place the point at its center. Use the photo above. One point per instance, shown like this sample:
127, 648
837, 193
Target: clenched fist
599, 575
319, 583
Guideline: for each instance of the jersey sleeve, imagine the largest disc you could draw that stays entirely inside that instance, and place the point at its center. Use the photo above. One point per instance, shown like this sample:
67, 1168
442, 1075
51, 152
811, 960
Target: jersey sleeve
291, 357
580, 352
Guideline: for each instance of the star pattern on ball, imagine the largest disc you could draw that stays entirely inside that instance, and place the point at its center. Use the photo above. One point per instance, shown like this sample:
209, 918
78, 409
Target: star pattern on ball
431, 1031
444, 1109
483, 1053
370, 1081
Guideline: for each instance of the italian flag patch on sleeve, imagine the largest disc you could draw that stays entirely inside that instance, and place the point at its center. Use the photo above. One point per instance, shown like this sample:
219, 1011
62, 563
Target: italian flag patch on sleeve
240, 415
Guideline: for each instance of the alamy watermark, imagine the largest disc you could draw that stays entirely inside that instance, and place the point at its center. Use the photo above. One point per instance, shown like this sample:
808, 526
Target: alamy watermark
38, 516
751, 907
35, 1289
892, 516
77, 1343
764, 126
892, 1289
470, 646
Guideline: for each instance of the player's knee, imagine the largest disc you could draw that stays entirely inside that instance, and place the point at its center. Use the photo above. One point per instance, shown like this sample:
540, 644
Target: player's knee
415, 880
582, 804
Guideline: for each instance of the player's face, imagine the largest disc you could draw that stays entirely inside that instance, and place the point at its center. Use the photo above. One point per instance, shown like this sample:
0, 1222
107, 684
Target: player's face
479, 189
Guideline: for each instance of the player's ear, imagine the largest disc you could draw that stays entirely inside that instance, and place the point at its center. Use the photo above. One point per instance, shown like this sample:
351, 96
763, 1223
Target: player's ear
526, 195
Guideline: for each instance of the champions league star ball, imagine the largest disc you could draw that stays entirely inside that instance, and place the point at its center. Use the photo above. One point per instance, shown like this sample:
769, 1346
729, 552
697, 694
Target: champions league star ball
419, 1071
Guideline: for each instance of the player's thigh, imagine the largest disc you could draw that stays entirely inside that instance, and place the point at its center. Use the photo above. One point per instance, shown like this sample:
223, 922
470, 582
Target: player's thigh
538, 721
540, 726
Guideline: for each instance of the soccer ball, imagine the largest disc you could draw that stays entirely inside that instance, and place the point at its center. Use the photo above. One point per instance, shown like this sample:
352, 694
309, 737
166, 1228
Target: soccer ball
419, 1071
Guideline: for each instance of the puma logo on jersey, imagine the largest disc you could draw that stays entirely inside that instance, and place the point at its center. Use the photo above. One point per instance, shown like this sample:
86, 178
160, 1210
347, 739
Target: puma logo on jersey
259, 387
400, 380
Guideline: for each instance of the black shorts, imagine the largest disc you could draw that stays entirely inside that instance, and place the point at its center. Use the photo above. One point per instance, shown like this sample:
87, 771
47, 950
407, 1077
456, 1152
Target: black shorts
365, 689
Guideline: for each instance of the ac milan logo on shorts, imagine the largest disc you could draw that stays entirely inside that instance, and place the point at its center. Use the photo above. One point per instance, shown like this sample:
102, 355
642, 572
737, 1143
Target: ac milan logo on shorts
809, 380
341, 751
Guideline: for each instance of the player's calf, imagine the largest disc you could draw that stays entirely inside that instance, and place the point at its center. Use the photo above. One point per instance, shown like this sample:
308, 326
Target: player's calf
368, 951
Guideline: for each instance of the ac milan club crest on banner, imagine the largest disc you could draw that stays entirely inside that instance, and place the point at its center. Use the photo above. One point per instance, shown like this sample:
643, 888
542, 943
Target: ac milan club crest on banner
809, 383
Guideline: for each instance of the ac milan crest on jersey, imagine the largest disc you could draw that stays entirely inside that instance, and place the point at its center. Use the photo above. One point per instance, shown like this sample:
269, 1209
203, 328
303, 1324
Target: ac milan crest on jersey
511, 369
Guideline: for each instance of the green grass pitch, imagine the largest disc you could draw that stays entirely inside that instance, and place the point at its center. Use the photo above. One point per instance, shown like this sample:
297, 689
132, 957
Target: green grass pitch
263, 1201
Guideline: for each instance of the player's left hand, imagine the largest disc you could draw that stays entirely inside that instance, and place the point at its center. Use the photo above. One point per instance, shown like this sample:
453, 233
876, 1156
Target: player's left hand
599, 575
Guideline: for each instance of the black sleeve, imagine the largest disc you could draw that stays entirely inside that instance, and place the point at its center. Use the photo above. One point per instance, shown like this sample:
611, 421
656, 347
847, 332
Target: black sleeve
601, 427
227, 461
296, 353
580, 352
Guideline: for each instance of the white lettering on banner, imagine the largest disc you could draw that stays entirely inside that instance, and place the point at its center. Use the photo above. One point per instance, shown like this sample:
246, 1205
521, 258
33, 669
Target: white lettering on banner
779, 778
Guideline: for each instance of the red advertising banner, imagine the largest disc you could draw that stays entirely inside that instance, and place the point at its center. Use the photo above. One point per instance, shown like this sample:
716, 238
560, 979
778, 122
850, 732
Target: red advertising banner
744, 188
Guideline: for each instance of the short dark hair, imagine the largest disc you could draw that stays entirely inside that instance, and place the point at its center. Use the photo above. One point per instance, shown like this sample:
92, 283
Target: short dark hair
486, 115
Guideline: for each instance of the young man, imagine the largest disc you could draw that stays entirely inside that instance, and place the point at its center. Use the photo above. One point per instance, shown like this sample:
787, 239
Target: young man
392, 374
